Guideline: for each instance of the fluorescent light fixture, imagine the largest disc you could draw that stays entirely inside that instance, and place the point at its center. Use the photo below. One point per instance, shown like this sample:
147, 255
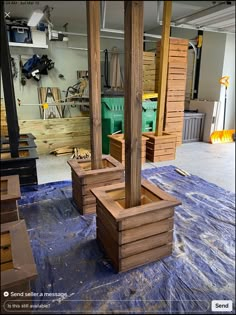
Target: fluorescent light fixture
35, 18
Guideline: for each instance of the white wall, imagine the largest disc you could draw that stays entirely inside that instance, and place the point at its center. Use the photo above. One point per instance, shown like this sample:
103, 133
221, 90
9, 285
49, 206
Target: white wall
218, 59
229, 69
67, 62
212, 61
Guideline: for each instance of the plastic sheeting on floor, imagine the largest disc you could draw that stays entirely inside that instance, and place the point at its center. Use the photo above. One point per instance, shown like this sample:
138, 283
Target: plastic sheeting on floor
75, 276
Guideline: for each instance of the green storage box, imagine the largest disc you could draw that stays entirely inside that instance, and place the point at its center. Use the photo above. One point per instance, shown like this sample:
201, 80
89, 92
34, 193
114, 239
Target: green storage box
113, 118
149, 114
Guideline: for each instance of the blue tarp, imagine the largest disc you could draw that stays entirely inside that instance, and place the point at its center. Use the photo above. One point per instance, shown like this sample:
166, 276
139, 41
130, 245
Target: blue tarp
71, 265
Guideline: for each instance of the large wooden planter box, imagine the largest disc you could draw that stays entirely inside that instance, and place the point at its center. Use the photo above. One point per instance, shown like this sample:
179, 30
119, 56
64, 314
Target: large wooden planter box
160, 148
117, 148
84, 179
135, 236
10, 193
17, 264
24, 166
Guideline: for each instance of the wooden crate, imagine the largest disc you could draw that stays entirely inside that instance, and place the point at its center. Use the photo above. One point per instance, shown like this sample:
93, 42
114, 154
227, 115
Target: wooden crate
160, 148
176, 86
84, 179
17, 265
135, 236
24, 166
117, 148
149, 72
10, 193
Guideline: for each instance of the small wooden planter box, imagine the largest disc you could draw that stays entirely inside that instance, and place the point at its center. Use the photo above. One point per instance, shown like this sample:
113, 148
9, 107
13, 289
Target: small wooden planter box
10, 193
23, 144
17, 263
160, 148
84, 179
135, 236
117, 148
24, 166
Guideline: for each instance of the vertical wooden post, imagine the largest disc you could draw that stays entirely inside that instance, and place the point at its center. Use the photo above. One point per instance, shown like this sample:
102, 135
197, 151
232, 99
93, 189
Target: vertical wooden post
133, 100
8, 88
164, 55
93, 28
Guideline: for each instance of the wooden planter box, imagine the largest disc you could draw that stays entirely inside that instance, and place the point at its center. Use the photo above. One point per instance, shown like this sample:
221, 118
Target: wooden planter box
17, 263
24, 166
117, 148
160, 148
135, 236
27, 143
84, 179
10, 193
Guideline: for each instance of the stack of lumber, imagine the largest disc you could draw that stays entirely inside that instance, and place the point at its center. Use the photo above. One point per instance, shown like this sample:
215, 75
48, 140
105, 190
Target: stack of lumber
4, 130
77, 153
149, 72
59, 132
176, 86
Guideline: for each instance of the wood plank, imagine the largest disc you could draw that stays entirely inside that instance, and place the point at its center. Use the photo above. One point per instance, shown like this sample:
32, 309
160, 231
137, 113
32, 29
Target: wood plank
146, 218
161, 146
177, 71
6, 255
167, 11
175, 93
94, 70
5, 240
146, 230
176, 63
174, 114
179, 41
133, 100
146, 244
166, 157
172, 76
145, 257
149, 53
151, 66
175, 53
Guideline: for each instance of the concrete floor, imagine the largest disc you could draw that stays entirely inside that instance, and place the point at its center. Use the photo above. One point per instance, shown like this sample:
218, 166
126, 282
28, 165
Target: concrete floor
212, 162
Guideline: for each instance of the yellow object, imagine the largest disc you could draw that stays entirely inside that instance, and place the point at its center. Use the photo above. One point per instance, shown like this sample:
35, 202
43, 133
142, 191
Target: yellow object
200, 39
223, 136
224, 81
150, 95
45, 105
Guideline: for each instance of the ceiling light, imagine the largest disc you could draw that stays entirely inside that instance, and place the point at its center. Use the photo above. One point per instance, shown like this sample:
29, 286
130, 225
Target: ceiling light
35, 18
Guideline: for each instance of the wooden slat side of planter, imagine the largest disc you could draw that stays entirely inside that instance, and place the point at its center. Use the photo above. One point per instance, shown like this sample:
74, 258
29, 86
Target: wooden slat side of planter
10, 193
135, 236
160, 148
24, 166
14, 237
84, 179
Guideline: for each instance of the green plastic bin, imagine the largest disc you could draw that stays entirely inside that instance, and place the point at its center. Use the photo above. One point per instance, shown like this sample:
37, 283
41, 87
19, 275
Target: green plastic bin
112, 119
149, 114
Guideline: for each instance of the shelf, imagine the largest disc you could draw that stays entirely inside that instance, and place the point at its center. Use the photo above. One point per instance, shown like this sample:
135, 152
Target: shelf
27, 45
